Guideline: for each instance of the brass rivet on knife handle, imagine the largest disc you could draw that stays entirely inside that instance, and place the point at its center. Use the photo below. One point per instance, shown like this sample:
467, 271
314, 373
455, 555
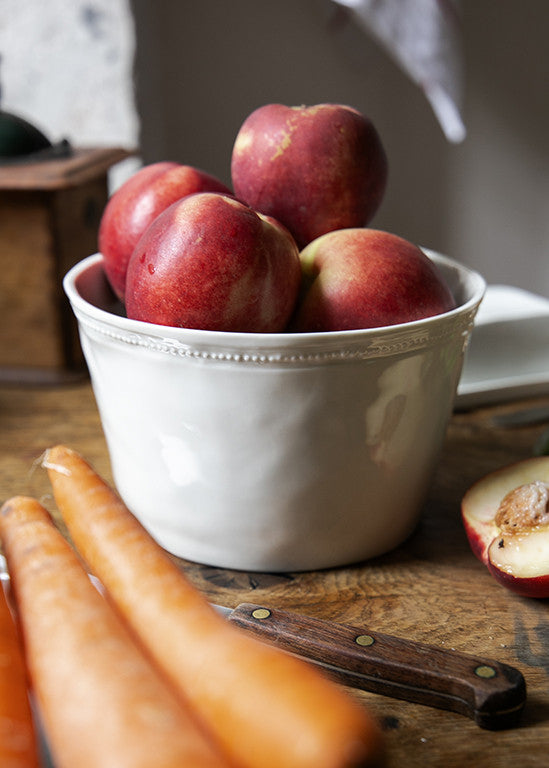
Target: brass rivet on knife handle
364, 640
261, 613
485, 671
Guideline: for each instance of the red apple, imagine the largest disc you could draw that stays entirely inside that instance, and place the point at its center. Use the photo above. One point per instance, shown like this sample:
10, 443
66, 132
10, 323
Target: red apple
315, 169
506, 519
365, 278
211, 262
137, 203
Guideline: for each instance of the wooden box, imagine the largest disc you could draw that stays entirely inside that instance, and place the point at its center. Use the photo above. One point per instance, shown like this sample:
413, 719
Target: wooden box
49, 220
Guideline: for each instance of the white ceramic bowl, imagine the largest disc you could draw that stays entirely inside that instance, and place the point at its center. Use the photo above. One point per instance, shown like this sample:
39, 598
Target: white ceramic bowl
273, 452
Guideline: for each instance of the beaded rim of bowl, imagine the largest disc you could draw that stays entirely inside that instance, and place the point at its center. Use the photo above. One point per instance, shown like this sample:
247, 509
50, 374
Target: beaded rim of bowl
285, 348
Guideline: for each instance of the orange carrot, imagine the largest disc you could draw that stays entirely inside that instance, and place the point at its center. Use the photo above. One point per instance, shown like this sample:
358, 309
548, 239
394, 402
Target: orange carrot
267, 708
102, 702
18, 744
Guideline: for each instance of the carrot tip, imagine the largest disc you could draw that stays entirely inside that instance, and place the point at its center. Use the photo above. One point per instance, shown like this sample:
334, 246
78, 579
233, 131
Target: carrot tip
47, 464
9, 504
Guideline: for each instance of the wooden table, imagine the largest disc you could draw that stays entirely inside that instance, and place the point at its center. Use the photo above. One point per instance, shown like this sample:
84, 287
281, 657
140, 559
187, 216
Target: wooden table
431, 589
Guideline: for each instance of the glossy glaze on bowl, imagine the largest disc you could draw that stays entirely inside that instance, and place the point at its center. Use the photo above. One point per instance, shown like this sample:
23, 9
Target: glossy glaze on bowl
273, 452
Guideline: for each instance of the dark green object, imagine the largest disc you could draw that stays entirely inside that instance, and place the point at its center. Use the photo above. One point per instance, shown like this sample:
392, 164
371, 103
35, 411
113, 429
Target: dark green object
19, 137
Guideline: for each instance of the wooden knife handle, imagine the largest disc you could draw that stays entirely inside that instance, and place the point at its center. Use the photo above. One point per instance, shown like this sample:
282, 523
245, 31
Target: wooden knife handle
491, 693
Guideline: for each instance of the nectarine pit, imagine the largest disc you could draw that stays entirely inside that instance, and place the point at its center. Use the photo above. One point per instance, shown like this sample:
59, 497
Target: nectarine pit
524, 509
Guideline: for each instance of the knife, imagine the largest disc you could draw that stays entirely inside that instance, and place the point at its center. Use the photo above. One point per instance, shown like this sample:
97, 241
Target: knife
491, 693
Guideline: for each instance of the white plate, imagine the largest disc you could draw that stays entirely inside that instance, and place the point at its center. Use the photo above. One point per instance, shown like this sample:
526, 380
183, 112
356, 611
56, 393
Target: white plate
508, 355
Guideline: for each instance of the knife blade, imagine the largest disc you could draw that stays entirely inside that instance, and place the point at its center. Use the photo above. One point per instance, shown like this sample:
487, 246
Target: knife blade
489, 692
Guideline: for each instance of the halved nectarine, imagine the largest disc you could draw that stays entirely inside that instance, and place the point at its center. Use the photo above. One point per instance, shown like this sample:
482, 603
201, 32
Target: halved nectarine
506, 518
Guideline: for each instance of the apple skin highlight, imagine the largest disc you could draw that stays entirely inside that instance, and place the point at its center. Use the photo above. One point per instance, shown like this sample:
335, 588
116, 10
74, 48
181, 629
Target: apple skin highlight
364, 278
315, 169
209, 262
136, 204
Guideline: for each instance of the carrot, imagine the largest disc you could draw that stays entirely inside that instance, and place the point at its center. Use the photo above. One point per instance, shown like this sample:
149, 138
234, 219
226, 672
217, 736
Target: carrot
102, 702
18, 743
268, 709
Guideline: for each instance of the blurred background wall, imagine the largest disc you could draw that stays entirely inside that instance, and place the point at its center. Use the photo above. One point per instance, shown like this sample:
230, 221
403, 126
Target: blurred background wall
179, 77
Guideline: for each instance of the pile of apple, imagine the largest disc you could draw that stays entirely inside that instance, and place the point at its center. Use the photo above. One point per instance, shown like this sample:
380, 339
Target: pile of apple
288, 249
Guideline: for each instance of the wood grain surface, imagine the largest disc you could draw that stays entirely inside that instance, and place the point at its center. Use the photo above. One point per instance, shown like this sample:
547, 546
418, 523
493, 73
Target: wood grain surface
431, 589
82, 165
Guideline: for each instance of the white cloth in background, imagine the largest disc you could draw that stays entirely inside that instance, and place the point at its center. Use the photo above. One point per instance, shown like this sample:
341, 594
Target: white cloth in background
67, 67
424, 37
